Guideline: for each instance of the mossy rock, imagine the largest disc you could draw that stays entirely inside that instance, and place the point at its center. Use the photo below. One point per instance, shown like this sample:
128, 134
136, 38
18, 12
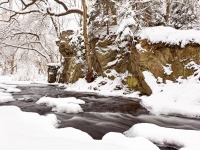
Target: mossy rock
132, 82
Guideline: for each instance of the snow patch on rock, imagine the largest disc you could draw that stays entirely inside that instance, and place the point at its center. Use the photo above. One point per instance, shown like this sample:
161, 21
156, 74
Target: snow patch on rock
65, 105
178, 138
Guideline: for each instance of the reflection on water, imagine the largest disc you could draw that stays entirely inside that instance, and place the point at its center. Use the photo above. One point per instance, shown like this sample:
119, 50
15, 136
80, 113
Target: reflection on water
101, 114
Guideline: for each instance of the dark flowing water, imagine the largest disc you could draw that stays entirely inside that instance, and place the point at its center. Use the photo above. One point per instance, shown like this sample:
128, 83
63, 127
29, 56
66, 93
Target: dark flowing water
101, 114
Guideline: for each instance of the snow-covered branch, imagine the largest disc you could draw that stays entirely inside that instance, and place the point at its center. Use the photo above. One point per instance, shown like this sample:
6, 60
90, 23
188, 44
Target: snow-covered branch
69, 11
62, 3
25, 48
29, 33
41, 7
29, 4
4, 2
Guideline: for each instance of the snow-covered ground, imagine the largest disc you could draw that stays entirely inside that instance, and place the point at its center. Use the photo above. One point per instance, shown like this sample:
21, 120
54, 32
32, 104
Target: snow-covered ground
5, 91
103, 86
30, 131
13, 79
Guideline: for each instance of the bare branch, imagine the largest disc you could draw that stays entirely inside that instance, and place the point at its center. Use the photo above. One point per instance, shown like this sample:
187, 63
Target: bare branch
70, 11
26, 48
21, 33
27, 5
63, 4
17, 12
4, 2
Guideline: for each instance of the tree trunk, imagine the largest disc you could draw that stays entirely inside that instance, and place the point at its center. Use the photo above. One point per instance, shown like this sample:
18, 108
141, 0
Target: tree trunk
89, 74
12, 67
107, 13
167, 12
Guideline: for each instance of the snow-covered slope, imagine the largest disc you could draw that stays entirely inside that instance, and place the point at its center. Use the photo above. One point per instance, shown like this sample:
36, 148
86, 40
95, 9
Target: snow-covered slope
180, 99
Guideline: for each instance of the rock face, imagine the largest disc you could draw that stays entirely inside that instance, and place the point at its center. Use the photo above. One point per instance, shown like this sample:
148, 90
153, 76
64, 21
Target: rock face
70, 71
122, 58
159, 56
129, 60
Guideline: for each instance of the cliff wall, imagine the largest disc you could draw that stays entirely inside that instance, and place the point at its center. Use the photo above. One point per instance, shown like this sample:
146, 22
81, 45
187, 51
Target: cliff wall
112, 58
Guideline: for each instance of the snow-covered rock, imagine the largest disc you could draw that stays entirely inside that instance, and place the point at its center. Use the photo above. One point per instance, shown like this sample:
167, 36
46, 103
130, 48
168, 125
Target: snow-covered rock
178, 138
65, 105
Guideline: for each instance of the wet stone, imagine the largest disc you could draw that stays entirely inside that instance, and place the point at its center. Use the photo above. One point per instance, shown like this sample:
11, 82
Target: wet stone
53, 72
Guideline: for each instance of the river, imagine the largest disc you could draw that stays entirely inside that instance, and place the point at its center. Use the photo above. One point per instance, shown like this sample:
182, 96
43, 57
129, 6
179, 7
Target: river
102, 114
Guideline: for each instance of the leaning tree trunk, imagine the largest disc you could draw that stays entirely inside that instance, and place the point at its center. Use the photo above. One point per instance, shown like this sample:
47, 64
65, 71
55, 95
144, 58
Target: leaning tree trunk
89, 74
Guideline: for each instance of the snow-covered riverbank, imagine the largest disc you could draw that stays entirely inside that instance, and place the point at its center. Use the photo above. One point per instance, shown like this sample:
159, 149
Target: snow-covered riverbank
161, 92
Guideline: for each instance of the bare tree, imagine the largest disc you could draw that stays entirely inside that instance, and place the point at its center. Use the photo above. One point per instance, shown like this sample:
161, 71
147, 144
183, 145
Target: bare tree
47, 20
